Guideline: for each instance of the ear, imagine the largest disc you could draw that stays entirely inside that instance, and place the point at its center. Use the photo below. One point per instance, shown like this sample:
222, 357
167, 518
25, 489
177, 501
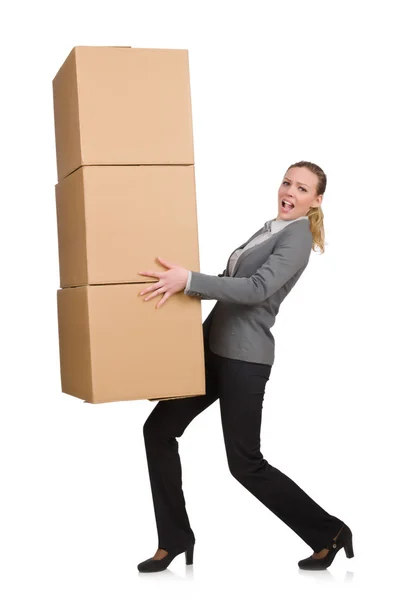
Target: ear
319, 200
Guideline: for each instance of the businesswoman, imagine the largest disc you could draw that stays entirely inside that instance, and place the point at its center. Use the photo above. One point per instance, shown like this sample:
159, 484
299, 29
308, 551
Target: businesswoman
239, 354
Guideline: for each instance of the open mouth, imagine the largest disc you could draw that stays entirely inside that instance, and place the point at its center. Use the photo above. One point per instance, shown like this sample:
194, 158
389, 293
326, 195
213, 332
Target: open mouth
287, 205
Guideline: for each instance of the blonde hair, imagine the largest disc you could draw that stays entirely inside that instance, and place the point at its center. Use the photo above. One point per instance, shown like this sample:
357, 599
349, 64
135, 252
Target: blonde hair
316, 215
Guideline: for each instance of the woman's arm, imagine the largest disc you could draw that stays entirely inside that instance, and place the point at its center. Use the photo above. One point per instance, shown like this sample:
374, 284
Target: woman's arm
290, 254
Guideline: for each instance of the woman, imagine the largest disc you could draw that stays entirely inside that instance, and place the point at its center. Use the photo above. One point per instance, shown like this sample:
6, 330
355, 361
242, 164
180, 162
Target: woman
239, 354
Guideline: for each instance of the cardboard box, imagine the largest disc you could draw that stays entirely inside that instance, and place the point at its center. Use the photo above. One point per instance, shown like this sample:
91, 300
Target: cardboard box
114, 346
114, 221
122, 106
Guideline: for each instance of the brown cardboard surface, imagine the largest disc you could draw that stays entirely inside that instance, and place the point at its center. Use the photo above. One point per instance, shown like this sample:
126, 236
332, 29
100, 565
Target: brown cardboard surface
114, 346
120, 105
113, 221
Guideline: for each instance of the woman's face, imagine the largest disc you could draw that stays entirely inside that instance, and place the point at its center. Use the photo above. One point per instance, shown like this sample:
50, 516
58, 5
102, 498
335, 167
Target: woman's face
299, 188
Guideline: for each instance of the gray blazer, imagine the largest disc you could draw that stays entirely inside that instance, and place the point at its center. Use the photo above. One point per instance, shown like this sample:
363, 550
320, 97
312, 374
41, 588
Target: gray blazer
248, 302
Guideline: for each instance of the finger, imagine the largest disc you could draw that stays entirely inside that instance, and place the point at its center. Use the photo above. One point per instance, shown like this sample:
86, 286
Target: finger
165, 262
155, 293
146, 290
151, 288
163, 299
149, 273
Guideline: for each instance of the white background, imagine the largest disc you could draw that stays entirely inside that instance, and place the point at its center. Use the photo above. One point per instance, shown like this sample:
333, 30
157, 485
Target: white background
272, 83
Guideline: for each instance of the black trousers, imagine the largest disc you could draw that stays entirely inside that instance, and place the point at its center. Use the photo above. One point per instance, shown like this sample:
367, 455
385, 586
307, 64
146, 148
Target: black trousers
240, 387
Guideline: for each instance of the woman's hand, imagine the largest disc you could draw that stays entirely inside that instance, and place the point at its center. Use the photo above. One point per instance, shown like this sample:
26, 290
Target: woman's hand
172, 281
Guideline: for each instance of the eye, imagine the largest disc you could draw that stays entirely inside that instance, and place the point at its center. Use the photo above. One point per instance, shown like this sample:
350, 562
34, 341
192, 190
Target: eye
300, 187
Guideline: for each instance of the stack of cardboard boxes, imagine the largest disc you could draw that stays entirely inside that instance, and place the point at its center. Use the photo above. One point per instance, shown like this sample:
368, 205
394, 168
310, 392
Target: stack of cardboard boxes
125, 195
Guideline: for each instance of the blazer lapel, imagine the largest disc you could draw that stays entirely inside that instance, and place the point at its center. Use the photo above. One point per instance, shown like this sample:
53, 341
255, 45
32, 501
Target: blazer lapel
244, 255
242, 246
247, 253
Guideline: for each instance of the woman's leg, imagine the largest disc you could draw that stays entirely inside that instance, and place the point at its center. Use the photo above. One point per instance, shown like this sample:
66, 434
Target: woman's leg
241, 389
167, 421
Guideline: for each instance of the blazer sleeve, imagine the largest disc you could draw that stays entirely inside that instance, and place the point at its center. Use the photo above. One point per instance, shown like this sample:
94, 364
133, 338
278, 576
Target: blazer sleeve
291, 253
189, 277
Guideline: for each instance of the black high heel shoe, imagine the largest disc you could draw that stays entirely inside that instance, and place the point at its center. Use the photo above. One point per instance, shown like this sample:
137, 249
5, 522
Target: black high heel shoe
344, 539
152, 566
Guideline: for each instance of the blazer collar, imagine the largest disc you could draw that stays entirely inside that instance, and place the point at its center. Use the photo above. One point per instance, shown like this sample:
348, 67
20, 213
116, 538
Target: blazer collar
275, 225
